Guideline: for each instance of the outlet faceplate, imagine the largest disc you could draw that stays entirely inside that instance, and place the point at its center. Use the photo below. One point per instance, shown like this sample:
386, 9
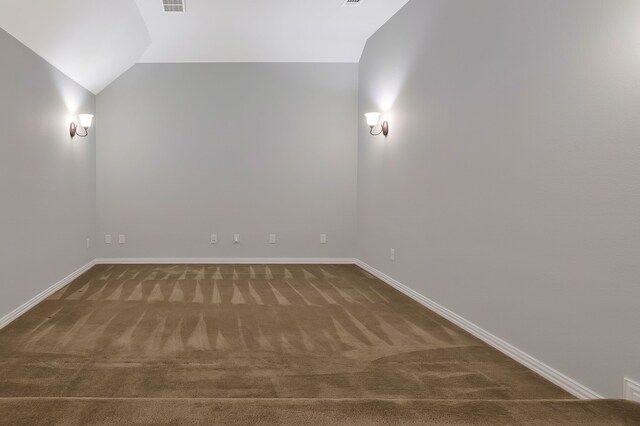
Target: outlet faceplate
631, 390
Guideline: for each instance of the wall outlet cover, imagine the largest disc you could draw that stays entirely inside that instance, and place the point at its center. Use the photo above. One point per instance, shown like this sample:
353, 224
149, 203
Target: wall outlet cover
323, 238
122, 239
107, 239
631, 390
272, 238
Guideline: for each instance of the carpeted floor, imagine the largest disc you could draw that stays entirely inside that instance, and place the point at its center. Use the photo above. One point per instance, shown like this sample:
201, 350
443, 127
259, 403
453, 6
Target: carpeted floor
277, 344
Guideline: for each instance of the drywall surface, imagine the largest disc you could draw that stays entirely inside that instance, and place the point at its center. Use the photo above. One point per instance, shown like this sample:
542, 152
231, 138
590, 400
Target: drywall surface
187, 150
509, 185
47, 180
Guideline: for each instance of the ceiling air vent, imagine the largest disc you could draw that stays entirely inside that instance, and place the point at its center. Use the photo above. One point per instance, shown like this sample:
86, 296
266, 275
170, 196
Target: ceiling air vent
352, 2
173, 5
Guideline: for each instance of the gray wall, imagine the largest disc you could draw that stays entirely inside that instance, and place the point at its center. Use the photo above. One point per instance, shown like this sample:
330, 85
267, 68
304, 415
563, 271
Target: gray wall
185, 150
47, 180
510, 183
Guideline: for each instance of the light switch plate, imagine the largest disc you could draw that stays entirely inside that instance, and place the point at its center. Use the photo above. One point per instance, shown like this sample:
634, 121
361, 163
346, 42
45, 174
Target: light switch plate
392, 254
272, 238
122, 239
107, 239
236, 238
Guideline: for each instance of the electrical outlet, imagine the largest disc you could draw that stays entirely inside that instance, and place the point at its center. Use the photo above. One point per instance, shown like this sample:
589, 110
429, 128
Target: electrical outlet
631, 390
107, 239
236, 238
323, 238
88, 242
122, 239
214, 238
272, 238
392, 254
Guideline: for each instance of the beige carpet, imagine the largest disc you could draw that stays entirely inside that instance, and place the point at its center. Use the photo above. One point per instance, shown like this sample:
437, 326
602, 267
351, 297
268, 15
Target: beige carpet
277, 344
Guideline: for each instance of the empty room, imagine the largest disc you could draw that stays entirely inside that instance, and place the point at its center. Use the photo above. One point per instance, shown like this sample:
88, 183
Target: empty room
320, 212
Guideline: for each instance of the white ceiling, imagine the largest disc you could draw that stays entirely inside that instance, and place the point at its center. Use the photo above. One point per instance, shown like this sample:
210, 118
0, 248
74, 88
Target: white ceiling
91, 41
95, 41
263, 30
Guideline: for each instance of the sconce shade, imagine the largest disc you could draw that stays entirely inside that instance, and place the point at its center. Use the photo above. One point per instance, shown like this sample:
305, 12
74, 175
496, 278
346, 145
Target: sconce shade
85, 120
372, 118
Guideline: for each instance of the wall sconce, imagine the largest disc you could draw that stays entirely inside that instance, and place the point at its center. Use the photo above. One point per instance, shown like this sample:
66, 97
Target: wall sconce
85, 122
373, 118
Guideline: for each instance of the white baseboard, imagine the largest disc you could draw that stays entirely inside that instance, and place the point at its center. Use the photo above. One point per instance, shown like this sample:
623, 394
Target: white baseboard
13, 315
229, 261
576, 389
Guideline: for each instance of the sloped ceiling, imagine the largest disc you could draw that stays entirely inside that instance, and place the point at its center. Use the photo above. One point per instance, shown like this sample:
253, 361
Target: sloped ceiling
263, 30
95, 41
91, 41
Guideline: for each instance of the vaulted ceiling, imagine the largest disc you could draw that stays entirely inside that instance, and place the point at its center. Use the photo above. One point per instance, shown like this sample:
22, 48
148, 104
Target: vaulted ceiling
95, 41
91, 41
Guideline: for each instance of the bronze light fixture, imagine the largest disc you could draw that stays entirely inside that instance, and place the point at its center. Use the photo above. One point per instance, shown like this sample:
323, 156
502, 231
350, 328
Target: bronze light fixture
373, 118
85, 123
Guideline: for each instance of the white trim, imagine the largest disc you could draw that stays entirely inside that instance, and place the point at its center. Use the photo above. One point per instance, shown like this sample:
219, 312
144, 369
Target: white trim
16, 313
229, 261
576, 389
631, 390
